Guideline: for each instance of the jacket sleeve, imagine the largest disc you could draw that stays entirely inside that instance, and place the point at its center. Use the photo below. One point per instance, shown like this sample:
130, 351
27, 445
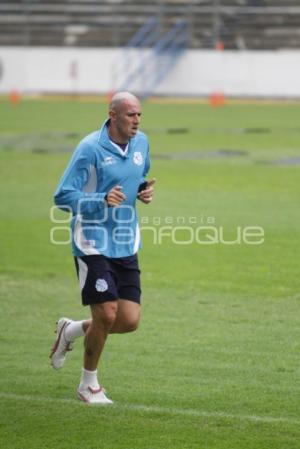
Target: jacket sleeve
70, 194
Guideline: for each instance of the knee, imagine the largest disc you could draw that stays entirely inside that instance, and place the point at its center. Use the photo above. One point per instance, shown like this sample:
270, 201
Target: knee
106, 316
110, 314
132, 324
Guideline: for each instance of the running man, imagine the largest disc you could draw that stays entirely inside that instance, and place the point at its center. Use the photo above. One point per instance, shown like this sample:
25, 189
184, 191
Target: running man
100, 185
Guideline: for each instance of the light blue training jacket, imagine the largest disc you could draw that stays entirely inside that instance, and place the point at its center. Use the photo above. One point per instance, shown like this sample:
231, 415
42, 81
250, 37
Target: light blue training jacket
98, 165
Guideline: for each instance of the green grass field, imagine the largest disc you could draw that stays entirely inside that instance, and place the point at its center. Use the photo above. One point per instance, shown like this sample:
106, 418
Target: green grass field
215, 363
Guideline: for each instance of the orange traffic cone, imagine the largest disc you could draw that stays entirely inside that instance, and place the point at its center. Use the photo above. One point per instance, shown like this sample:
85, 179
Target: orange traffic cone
15, 97
217, 99
109, 95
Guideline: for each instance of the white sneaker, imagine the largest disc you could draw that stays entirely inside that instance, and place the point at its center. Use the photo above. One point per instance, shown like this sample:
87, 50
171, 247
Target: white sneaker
61, 345
93, 396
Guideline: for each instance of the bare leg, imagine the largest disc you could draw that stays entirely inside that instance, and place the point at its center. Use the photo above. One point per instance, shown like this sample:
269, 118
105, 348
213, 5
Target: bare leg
127, 319
103, 318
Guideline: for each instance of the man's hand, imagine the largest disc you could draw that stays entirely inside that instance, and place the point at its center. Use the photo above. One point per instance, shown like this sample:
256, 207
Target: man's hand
115, 196
146, 195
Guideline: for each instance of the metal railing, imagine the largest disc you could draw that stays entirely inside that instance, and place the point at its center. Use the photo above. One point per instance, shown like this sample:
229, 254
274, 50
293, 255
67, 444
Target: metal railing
148, 57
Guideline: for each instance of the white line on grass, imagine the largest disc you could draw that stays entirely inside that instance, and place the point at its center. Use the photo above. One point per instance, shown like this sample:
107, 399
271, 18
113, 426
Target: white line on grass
157, 409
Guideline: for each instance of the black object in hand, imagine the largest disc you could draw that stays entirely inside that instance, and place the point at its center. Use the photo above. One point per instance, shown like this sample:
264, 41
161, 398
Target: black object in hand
143, 186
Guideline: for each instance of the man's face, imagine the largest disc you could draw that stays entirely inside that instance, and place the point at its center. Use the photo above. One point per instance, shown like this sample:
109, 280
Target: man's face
126, 118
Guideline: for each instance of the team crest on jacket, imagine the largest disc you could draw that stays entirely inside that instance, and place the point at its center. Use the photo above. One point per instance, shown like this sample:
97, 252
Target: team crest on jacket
109, 160
137, 158
101, 285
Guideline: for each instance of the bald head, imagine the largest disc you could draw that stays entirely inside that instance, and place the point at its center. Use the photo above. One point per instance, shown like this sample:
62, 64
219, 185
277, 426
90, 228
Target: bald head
121, 98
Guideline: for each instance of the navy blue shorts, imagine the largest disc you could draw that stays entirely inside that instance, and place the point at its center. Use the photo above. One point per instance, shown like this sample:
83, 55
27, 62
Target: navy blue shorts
103, 279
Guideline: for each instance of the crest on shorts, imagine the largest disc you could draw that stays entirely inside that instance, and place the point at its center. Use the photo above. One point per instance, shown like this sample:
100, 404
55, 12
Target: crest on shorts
101, 285
137, 158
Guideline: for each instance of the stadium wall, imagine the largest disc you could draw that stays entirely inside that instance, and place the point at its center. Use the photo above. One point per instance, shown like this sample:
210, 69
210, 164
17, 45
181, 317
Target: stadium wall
196, 73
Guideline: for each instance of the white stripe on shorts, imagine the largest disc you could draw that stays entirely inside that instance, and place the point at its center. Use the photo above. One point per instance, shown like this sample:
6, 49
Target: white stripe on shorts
82, 272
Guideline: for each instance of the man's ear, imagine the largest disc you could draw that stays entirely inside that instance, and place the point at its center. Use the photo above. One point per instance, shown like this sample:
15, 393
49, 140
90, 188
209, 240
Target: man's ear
112, 114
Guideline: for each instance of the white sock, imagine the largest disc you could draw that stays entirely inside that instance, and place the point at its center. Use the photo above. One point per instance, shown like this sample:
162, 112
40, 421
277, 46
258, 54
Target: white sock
74, 330
89, 379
